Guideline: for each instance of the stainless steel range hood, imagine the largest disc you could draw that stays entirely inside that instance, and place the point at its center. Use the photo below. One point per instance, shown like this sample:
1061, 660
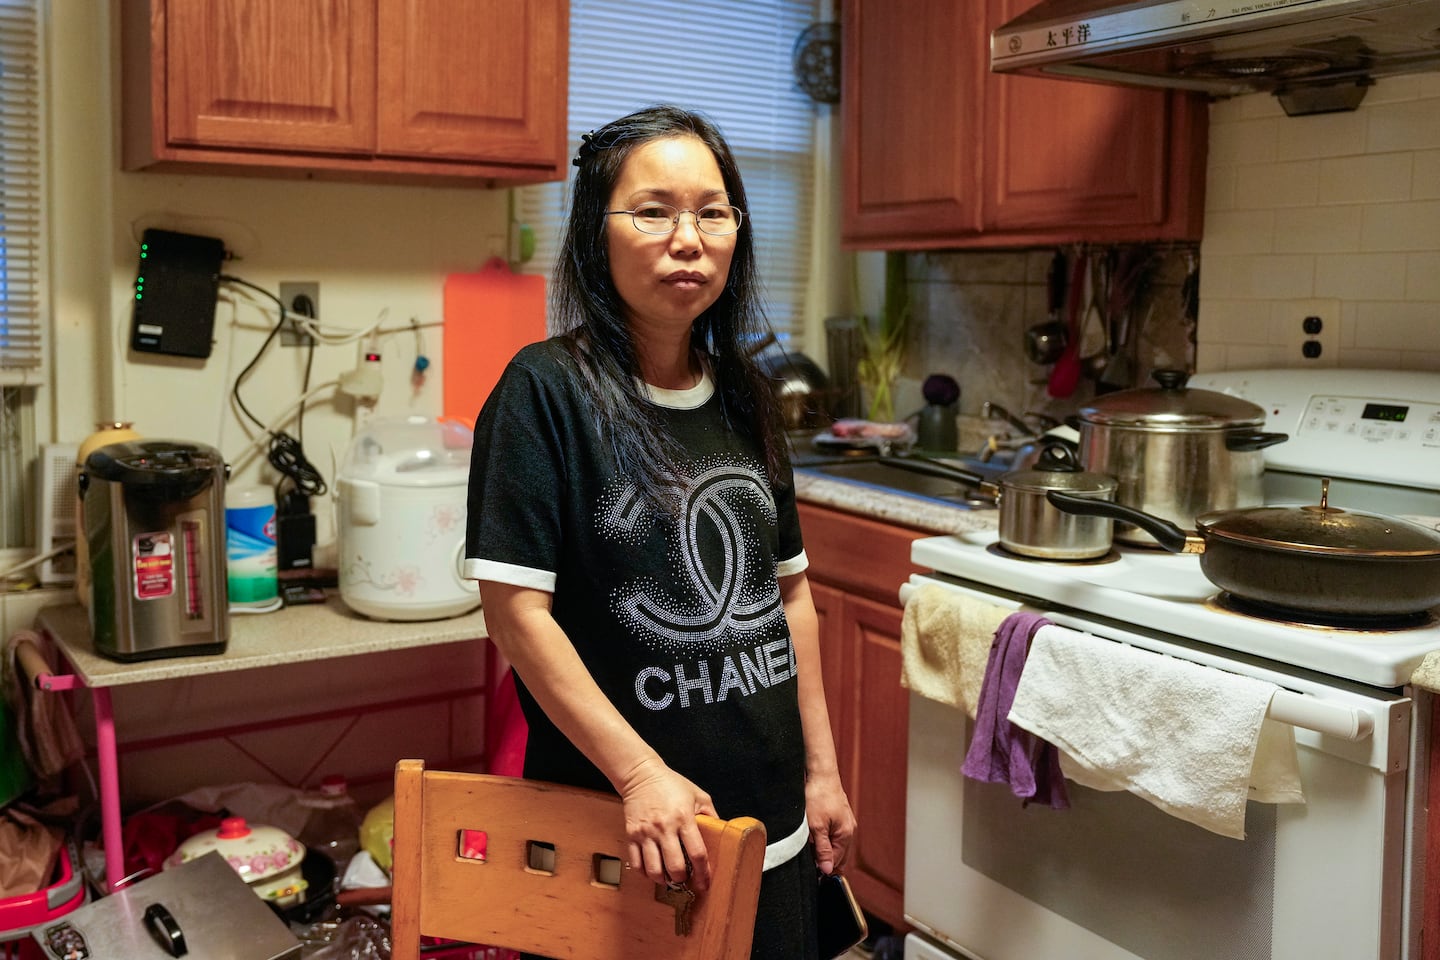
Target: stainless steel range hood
1316, 55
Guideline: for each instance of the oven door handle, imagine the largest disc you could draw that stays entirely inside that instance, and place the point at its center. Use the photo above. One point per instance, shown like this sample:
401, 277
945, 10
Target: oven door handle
1287, 706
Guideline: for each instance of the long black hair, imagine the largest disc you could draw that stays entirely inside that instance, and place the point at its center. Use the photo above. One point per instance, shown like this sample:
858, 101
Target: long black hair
588, 311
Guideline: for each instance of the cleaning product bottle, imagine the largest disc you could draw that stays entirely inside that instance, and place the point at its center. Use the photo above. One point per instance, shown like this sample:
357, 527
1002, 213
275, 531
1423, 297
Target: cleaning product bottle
251, 553
333, 826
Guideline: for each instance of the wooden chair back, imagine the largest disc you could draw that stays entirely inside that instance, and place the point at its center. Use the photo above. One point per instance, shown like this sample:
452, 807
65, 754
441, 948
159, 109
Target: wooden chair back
538, 867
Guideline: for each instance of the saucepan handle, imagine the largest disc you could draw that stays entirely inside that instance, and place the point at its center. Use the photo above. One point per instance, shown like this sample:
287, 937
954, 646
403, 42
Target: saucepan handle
944, 472
1166, 533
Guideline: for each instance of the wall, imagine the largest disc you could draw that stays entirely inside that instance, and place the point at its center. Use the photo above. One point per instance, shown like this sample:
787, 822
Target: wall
1336, 215
377, 251
970, 311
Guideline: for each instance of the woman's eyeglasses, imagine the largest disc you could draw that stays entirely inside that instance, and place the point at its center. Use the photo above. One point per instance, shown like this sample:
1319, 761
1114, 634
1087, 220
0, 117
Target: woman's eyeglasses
658, 219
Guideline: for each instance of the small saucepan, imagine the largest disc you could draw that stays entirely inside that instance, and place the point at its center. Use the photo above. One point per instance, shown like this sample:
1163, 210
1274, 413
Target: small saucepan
1309, 559
1029, 525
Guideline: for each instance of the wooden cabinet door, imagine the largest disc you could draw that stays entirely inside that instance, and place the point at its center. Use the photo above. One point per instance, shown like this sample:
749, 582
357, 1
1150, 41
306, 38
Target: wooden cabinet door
840, 693
939, 152
879, 748
911, 110
1064, 152
474, 80
268, 74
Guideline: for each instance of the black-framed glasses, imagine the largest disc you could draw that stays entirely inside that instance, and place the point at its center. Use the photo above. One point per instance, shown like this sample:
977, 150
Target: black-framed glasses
658, 219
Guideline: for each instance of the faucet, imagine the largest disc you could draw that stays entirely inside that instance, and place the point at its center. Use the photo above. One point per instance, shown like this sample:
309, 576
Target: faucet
993, 410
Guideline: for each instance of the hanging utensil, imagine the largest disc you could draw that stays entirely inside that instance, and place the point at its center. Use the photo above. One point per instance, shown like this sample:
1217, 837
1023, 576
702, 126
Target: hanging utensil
1065, 375
1045, 342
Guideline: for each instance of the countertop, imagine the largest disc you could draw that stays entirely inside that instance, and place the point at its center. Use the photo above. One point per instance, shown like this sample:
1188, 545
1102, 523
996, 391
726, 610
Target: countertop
289, 635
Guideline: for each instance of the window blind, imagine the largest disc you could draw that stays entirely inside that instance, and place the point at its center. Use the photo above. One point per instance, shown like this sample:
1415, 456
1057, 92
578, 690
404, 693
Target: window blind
727, 59
22, 336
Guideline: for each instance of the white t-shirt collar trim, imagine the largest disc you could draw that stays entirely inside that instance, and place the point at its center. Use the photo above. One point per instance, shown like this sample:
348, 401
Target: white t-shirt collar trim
687, 399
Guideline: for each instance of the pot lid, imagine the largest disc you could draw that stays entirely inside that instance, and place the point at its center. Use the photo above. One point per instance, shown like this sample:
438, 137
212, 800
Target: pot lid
1039, 481
1059, 469
253, 850
1325, 530
413, 451
1172, 406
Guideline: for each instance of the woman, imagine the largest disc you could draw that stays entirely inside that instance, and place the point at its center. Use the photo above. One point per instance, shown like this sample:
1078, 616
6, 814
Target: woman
632, 524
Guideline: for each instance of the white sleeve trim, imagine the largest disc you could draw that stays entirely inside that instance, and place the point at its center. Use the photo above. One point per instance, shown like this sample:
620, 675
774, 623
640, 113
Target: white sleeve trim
796, 564
517, 576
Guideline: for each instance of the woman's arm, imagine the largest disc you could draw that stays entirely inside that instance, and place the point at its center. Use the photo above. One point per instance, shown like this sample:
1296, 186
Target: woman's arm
660, 805
832, 823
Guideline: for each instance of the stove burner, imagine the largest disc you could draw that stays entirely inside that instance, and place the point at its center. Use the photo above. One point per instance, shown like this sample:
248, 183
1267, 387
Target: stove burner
997, 550
1312, 618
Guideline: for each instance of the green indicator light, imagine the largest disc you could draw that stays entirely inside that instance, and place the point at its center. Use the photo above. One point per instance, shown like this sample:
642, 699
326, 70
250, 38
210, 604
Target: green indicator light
144, 246
139, 279
139, 296
143, 255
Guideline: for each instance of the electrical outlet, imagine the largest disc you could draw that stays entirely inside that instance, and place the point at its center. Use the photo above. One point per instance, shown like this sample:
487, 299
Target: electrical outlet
292, 335
1312, 329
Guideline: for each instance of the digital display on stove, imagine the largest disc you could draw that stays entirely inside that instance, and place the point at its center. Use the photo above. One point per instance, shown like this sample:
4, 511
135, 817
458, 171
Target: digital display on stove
1390, 412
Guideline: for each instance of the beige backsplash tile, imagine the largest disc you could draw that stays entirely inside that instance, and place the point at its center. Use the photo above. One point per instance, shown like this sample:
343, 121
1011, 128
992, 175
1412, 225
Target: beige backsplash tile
971, 311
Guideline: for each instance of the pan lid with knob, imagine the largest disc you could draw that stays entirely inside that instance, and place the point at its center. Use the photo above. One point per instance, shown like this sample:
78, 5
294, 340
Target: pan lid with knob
1323, 530
1172, 406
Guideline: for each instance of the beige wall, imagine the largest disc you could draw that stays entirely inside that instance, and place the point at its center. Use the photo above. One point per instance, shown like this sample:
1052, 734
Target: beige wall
1336, 215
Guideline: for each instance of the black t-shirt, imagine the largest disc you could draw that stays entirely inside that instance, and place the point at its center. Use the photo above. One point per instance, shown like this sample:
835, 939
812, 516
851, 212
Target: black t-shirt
678, 619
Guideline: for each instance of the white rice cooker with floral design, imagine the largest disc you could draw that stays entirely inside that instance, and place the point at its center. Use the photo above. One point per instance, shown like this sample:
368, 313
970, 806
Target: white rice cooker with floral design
401, 494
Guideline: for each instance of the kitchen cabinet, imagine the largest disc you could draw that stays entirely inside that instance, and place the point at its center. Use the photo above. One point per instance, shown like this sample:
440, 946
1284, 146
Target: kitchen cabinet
856, 568
1430, 900
466, 91
940, 153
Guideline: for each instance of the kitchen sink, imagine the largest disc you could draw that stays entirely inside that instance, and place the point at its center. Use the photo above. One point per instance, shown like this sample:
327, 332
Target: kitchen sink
886, 476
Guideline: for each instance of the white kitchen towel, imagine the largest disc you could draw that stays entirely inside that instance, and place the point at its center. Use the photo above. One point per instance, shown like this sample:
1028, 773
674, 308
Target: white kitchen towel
1181, 735
945, 638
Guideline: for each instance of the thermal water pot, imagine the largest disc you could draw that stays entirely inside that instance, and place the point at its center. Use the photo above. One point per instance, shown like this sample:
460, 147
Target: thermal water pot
155, 526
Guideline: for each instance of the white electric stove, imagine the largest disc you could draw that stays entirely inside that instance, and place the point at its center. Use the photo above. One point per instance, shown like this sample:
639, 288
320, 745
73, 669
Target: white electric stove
1377, 435
1115, 879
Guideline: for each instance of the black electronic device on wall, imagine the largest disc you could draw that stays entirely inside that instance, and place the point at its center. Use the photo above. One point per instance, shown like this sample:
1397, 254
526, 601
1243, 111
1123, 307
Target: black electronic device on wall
176, 286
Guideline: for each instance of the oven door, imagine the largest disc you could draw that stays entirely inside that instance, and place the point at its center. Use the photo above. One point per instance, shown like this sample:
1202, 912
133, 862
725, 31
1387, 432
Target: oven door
1114, 878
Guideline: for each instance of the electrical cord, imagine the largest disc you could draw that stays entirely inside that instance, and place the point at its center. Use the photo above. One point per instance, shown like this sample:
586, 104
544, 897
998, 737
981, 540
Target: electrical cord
286, 453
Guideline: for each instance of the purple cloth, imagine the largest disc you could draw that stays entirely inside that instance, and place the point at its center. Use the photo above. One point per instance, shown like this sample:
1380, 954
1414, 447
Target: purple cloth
1001, 752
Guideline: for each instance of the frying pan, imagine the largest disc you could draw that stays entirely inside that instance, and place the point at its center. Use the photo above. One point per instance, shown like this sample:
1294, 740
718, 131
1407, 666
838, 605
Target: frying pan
1318, 559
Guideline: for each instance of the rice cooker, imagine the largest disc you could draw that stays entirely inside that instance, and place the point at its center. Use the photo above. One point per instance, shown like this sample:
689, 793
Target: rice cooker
400, 528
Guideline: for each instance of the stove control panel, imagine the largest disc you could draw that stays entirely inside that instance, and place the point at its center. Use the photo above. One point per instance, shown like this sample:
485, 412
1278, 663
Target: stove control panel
1381, 426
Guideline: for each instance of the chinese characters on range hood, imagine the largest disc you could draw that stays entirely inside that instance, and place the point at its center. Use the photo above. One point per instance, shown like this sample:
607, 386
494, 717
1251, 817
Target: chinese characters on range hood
1316, 56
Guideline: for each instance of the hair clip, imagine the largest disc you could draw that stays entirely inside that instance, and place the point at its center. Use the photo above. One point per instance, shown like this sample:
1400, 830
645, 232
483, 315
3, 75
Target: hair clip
588, 148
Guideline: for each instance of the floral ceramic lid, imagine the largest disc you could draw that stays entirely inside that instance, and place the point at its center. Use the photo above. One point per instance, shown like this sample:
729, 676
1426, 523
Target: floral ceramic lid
254, 851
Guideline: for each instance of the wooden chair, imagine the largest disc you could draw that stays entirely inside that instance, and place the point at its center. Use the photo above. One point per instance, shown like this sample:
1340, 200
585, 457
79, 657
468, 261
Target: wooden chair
538, 867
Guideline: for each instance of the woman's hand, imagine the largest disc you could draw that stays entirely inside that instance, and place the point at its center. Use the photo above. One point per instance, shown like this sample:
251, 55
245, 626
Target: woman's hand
832, 823
660, 809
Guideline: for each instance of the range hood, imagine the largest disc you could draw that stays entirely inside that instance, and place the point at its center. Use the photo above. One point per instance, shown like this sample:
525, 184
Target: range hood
1315, 55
